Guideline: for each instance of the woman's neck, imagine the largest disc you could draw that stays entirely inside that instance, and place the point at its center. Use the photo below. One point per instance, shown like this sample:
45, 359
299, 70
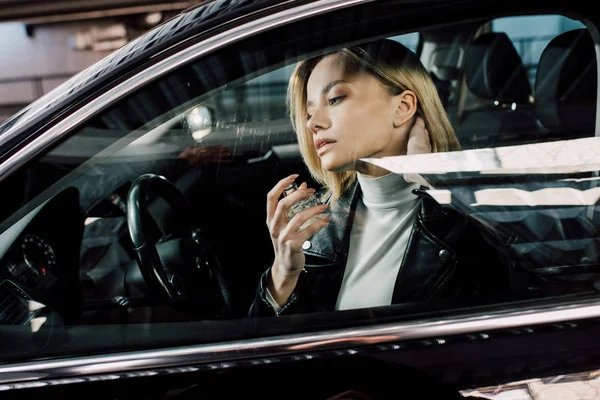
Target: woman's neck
386, 191
369, 170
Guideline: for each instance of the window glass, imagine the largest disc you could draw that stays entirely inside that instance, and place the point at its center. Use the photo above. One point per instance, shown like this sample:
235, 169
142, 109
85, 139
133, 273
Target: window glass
503, 90
165, 214
410, 40
531, 34
263, 98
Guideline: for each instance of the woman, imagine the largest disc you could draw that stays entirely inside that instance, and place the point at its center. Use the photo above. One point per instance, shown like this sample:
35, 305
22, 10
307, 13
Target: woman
385, 239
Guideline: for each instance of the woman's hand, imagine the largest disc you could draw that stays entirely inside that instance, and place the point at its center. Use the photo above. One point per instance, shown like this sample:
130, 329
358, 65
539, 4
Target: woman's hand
418, 138
200, 155
418, 143
286, 237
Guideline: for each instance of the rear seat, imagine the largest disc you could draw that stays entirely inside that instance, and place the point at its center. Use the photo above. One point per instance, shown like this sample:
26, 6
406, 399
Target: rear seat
559, 240
494, 72
553, 249
566, 86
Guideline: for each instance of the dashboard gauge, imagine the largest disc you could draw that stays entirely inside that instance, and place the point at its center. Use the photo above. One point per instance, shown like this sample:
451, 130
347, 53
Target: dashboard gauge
18, 269
38, 254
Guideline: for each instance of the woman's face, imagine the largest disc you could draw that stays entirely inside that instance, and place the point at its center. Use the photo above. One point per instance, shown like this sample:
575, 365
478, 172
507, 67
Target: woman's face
353, 117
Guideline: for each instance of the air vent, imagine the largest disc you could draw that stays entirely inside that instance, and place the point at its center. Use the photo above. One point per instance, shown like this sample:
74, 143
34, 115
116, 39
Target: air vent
14, 309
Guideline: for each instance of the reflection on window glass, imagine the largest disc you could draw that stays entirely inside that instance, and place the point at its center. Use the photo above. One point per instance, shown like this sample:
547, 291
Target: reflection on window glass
263, 98
410, 40
577, 385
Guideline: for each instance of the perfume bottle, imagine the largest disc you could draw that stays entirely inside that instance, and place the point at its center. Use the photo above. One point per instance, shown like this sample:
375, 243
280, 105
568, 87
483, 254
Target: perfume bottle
302, 204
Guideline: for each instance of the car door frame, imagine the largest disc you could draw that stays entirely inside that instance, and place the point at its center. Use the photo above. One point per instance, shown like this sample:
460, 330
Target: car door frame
470, 331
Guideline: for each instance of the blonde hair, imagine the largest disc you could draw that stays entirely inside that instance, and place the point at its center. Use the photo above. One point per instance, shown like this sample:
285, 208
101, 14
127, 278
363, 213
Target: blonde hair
398, 69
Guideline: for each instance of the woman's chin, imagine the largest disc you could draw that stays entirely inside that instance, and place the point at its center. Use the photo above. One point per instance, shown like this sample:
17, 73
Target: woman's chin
337, 166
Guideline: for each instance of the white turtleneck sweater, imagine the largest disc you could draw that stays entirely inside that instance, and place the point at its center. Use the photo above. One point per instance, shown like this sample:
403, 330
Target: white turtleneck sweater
378, 239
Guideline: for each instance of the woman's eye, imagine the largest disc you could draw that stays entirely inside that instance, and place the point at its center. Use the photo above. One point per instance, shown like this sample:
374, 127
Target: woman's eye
333, 101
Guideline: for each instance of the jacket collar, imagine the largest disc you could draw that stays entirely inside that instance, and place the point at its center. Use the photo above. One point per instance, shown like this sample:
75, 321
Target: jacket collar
332, 241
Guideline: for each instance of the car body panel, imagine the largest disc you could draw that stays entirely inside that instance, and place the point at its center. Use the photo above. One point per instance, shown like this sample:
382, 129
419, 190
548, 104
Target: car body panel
485, 346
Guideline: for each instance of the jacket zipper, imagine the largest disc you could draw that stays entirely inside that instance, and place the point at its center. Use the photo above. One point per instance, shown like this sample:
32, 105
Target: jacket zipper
442, 284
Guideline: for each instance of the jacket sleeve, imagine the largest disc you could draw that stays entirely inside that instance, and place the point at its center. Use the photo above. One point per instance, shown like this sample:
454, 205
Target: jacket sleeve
262, 307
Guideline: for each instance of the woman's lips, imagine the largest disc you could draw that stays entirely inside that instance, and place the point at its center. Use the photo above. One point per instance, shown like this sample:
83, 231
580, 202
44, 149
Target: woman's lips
323, 144
323, 148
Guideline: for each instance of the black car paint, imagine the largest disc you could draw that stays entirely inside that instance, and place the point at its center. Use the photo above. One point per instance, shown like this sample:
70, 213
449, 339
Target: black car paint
465, 360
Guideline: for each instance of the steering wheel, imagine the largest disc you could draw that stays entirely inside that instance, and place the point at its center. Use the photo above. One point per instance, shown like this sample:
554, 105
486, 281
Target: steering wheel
178, 267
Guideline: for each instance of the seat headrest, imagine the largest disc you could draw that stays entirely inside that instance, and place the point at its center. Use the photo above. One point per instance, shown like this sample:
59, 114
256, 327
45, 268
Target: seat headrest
566, 83
494, 70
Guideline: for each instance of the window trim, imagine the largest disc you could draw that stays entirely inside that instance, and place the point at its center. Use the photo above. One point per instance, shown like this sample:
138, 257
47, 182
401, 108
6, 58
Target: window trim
180, 359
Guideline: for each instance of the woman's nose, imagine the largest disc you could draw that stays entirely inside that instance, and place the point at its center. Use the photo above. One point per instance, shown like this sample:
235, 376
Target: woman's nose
318, 122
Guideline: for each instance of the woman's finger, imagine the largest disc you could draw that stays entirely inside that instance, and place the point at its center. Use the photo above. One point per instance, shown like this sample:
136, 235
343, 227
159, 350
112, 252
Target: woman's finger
418, 138
418, 143
275, 193
284, 205
299, 219
313, 228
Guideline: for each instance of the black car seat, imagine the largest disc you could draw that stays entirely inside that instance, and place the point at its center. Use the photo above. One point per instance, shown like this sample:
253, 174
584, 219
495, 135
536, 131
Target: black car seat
566, 86
494, 72
560, 244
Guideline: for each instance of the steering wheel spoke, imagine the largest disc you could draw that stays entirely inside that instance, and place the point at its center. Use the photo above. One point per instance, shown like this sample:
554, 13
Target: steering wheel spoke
182, 268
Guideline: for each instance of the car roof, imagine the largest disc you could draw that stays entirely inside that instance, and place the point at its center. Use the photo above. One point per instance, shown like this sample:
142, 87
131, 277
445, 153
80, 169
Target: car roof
197, 20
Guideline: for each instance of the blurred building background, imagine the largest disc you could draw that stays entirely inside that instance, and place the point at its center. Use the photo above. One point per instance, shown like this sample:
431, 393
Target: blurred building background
44, 42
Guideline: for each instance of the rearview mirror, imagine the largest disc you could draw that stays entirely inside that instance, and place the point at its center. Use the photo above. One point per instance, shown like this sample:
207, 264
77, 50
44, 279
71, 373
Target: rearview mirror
200, 122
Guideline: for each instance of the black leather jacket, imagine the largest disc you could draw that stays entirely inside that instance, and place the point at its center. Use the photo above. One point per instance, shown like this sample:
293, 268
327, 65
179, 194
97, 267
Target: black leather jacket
448, 254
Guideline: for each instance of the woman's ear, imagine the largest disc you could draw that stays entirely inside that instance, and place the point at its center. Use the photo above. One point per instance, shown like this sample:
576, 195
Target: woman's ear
405, 107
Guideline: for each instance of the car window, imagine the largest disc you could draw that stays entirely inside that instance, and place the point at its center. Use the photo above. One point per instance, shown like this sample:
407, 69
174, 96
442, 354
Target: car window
154, 214
531, 43
263, 98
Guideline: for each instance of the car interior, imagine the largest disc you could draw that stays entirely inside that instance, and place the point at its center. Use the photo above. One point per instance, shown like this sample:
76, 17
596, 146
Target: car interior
145, 219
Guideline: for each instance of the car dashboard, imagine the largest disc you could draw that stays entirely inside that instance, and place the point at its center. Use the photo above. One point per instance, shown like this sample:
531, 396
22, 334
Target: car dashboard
41, 263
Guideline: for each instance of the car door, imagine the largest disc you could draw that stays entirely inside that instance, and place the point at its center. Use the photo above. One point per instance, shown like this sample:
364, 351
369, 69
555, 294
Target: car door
115, 283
